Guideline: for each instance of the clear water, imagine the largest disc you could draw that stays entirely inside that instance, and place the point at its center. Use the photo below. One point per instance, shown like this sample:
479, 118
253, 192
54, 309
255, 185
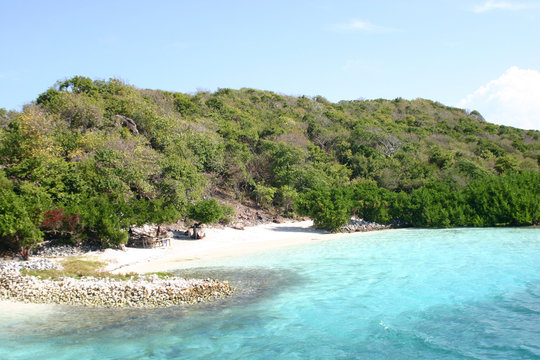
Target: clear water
403, 294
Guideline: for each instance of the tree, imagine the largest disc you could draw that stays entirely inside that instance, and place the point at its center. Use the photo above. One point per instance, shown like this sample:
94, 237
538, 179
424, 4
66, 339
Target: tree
18, 223
512, 199
264, 195
156, 211
287, 196
442, 158
183, 104
506, 164
371, 202
329, 208
435, 205
105, 218
206, 211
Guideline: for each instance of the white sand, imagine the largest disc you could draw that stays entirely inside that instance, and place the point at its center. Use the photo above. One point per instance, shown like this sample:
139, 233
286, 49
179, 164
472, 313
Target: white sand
218, 243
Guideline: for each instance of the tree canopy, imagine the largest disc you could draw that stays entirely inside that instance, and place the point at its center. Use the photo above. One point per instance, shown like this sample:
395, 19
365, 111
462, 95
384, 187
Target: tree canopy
90, 158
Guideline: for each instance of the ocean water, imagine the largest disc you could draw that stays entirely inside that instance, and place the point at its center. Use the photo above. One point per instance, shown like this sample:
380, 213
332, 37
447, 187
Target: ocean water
399, 294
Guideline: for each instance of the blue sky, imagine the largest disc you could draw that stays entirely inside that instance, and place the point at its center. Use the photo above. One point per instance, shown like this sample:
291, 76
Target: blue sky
482, 55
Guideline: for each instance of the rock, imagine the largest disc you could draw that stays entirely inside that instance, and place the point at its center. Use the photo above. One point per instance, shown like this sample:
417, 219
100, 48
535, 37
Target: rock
49, 249
129, 123
355, 225
143, 291
34, 264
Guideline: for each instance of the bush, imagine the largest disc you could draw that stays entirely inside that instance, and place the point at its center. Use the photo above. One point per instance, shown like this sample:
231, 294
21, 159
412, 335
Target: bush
371, 202
329, 208
442, 158
183, 104
264, 195
506, 164
18, 223
105, 219
206, 211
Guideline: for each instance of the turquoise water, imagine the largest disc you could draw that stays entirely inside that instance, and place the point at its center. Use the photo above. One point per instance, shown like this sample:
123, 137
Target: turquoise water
401, 294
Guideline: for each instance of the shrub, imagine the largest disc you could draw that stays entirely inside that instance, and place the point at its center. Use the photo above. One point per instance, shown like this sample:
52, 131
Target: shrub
264, 195
183, 104
206, 211
329, 208
18, 228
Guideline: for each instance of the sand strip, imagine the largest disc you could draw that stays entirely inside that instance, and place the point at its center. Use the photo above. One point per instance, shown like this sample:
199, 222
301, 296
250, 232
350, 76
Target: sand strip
218, 243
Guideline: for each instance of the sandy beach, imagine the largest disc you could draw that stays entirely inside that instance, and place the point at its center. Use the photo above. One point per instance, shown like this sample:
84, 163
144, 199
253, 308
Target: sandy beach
218, 243
150, 290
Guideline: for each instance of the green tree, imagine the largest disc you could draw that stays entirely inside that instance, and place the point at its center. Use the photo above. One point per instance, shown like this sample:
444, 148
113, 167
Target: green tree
105, 218
286, 197
206, 211
506, 164
512, 200
371, 202
436, 205
19, 222
183, 104
442, 158
328, 208
264, 195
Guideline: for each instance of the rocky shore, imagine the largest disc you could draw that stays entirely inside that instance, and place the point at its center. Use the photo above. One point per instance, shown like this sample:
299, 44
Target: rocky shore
48, 250
357, 225
149, 291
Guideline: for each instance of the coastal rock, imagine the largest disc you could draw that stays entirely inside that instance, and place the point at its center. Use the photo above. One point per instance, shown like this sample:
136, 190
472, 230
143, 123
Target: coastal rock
16, 266
144, 291
49, 249
357, 225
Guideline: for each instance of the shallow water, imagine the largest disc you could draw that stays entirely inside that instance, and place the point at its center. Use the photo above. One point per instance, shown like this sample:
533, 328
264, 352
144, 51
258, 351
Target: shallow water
401, 294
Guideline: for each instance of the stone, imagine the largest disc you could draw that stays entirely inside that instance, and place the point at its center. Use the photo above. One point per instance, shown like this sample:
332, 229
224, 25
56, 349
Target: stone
144, 291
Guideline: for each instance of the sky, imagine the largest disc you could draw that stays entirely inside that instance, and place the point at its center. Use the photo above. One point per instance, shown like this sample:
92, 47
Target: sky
474, 54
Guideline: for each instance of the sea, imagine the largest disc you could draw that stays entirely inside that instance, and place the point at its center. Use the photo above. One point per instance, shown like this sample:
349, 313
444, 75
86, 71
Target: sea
467, 293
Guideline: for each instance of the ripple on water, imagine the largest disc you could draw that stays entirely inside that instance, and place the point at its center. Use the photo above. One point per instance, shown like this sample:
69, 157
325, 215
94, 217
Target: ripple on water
420, 294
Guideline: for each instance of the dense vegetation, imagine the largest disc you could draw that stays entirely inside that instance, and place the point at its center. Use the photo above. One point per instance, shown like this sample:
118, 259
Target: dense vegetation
91, 158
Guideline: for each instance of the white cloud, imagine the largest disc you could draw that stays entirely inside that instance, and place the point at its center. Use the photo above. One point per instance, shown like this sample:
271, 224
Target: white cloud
504, 5
360, 25
513, 99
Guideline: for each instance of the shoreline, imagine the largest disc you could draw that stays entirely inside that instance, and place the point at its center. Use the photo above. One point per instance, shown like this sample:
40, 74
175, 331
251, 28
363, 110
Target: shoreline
218, 244
140, 292
182, 253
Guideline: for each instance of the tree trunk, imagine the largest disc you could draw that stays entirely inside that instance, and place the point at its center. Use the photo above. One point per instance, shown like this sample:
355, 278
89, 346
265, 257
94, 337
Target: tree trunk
25, 253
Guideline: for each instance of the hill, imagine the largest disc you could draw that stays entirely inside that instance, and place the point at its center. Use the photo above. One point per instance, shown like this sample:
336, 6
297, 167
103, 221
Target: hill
89, 158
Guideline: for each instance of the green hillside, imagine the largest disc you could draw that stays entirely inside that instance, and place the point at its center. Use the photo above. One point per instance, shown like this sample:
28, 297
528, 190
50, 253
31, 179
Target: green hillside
90, 158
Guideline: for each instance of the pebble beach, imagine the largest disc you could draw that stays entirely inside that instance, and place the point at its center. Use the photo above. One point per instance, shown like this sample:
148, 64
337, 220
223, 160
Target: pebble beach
144, 291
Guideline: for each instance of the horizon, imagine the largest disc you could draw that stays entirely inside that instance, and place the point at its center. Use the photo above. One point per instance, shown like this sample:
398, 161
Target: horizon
472, 55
